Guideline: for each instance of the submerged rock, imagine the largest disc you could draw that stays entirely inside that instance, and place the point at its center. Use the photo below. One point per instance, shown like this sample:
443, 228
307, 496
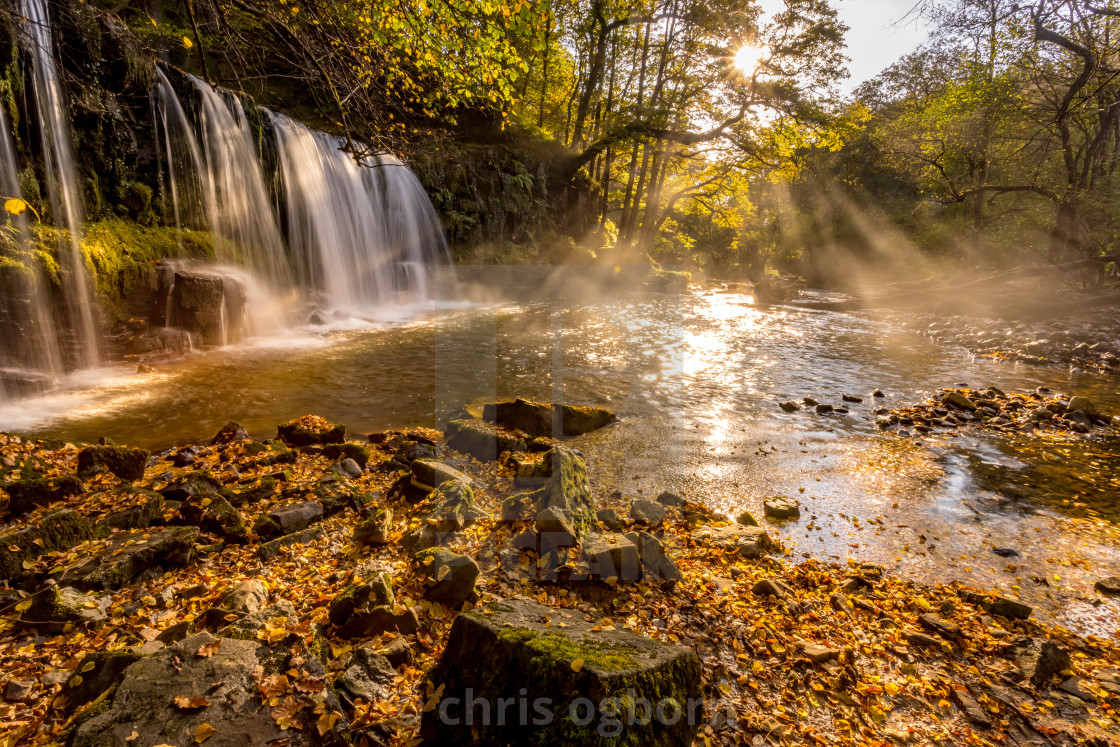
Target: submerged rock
781, 508
546, 421
551, 657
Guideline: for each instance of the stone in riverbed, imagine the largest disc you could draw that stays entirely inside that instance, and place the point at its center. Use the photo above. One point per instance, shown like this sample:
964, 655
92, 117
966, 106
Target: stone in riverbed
230, 432
824, 409
127, 464
428, 474
481, 440
520, 646
64, 605
781, 508
819, 654
357, 452
746, 519
228, 680
555, 528
790, 406
647, 512
546, 421
213, 513
566, 488
1084, 405
671, 500
749, 542
346, 468
310, 430
958, 400
370, 676
1110, 585
245, 598
1040, 660
454, 504
276, 547
608, 517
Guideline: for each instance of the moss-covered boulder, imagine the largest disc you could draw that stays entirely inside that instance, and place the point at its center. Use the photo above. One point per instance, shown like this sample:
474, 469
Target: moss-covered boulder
454, 502
26, 495
483, 441
229, 433
357, 452
194, 483
581, 687
147, 509
284, 520
367, 608
542, 420
375, 529
58, 607
124, 462
565, 488
59, 530
212, 513
429, 474
309, 430
449, 577
96, 673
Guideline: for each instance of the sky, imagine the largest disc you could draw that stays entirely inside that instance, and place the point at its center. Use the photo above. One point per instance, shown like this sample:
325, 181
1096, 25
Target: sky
874, 41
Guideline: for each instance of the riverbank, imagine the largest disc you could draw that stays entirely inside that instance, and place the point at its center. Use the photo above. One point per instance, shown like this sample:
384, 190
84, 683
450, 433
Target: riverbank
205, 537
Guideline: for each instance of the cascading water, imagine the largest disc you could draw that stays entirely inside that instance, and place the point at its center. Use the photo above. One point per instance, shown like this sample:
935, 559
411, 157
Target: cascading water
362, 235
359, 238
66, 209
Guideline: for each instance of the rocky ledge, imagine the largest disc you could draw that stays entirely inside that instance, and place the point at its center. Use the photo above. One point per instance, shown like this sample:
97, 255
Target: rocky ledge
319, 588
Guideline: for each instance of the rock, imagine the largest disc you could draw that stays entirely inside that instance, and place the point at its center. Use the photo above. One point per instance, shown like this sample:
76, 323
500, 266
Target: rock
840, 602
230, 432
1040, 660
878, 394
126, 554
971, 708
647, 512
1084, 405
26, 495
781, 508
509, 648
671, 500
958, 400
228, 680
57, 531
196, 483
546, 421
96, 673
59, 606
566, 488
453, 503
213, 513
772, 587
346, 468
809, 402
851, 398
18, 691
245, 598
366, 608
824, 409
428, 474
656, 565
518, 508
1009, 608
934, 623
819, 654
554, 527
375, 530
790, 406
275, 548
608, 517
612, 556
127, 464
1077, 687
1006, 552
356, 452
310, 430
450, 577
481, 440
921, 640
749, 542
746, 519
369, 676
284, 520
410, 451
1110, 585
397, 652
142, 516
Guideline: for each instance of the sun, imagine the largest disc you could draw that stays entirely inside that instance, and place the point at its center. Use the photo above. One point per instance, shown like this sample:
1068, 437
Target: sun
750, 57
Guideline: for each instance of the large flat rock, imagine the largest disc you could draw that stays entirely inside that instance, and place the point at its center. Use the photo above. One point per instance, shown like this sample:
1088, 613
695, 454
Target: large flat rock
113, 563
748, 542
570, 678
546, 420
227, 685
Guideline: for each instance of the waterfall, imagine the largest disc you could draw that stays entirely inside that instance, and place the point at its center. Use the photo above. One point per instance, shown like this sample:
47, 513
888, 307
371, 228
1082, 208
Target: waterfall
353, 227
66, 208
358, 238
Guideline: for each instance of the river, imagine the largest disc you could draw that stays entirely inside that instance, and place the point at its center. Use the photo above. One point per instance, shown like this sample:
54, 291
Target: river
696, 380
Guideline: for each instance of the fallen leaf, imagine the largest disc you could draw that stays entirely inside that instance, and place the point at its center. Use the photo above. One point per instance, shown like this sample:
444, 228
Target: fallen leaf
203, 732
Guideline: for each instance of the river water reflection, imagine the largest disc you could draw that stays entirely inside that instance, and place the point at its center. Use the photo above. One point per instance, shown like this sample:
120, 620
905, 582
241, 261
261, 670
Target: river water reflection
696, 379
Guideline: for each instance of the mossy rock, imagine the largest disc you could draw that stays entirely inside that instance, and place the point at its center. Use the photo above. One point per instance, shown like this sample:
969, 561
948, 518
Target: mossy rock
522, 649
60, 530
361, 596
311, 430
453, 503
126, 463
357, 452
542, 420
211, 512
25, 496
148, 512
374, 530
567, 488
450, 577
481, 440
